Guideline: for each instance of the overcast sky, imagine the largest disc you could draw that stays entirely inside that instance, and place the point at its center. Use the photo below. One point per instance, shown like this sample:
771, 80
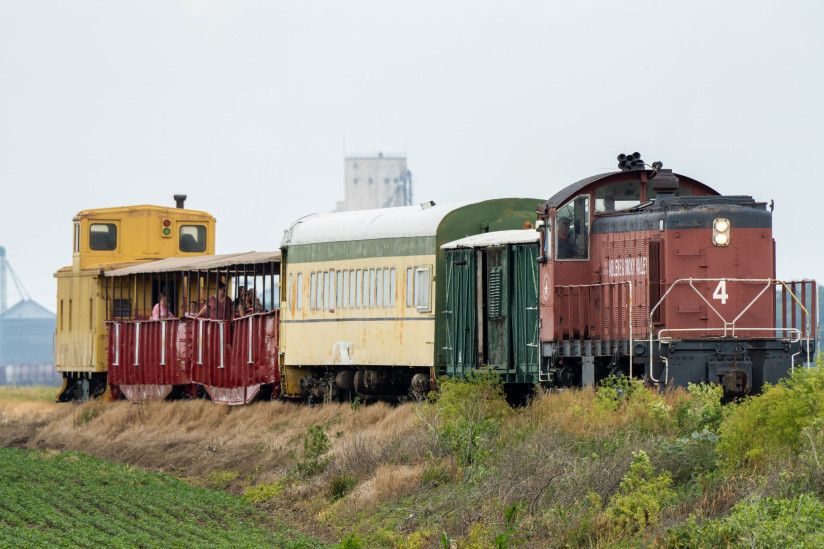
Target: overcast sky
250, 107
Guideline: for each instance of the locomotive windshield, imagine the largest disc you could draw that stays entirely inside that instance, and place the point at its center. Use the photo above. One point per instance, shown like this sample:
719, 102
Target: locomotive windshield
572, 229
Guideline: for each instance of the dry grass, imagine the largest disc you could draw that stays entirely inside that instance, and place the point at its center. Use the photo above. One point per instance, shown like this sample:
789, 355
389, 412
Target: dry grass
577, 413
389, 482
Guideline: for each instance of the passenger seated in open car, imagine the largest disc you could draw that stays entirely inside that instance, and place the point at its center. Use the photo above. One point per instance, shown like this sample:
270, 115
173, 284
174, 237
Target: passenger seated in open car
218, 307
250, 304
160, 311
192, 312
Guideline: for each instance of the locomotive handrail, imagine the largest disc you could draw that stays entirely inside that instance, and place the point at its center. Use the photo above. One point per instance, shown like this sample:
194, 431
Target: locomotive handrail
628, 283
730, 326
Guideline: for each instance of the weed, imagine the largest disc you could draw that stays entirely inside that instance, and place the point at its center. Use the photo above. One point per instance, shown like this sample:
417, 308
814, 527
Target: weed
505, 539
435, 475
220, 479
613, 389
87, 413
263, 492
702, 410
342, 485
350, 542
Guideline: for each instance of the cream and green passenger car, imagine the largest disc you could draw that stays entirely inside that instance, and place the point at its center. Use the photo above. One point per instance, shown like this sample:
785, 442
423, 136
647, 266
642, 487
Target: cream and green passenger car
362, 304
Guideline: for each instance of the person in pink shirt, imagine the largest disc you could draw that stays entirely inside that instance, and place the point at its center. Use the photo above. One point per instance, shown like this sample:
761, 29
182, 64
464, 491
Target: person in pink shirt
160, 311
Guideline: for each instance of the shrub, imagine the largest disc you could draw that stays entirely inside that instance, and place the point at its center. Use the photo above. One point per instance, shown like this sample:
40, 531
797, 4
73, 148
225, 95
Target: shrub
470, 413
767, 522
702, 410
613, 390
315, 445
640, 498
771, 425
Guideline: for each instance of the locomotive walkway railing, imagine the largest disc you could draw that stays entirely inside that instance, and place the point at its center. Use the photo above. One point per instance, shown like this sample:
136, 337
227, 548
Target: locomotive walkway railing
800, 325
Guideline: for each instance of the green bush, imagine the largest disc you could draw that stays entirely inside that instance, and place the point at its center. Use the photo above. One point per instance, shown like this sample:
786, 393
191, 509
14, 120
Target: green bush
470, 412
315, 445
613, 390
771, 426
768, 522
640, 498
702, 410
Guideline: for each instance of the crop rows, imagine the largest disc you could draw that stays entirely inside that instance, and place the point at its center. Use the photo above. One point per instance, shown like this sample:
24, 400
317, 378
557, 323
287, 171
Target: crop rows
73, 500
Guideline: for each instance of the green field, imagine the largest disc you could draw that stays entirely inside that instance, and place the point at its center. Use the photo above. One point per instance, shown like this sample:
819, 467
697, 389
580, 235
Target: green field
67, 499
29, 393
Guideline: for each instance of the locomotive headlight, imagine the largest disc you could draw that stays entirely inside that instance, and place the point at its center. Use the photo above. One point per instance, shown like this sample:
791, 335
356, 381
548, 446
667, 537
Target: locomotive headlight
721, 232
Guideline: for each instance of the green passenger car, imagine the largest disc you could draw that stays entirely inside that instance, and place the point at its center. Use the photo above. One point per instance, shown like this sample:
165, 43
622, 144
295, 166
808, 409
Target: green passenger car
491, 312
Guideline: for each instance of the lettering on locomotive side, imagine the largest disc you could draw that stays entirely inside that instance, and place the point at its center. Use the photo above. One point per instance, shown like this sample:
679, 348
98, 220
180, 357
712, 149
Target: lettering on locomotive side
626, 267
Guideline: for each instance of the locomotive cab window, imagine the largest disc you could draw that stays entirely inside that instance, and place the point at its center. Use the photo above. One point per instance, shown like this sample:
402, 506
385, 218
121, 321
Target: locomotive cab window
572, 229
192, 238
617, 196
103, 236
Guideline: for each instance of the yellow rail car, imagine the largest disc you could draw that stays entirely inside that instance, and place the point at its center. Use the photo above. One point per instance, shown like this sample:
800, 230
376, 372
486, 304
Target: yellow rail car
106, 239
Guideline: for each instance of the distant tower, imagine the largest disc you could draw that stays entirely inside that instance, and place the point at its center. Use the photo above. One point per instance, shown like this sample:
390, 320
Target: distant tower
376, 182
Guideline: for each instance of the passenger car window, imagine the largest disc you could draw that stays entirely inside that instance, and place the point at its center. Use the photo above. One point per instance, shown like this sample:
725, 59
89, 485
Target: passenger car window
192, 238
103, 236
422, 281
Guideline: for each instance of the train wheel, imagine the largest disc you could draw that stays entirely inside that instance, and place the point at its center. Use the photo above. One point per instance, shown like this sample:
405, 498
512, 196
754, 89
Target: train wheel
569, 377
618, 371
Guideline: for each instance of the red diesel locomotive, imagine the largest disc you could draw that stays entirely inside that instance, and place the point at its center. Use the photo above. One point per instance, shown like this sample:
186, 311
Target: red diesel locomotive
658, 275
639, 272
